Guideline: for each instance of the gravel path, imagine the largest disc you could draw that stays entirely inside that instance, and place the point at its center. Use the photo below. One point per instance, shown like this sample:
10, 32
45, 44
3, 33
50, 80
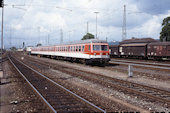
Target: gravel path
16, 95
106, 92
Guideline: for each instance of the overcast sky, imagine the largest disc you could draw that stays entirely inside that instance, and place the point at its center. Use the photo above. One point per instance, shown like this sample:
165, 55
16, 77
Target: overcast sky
33, 21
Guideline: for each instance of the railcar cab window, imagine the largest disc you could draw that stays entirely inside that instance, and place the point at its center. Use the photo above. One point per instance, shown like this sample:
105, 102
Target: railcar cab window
104, 47
100, 47
96, 47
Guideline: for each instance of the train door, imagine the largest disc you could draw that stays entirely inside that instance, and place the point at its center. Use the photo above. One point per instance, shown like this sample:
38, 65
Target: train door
168, 50
160, 51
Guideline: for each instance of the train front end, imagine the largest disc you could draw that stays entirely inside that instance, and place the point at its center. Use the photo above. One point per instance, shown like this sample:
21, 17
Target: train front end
99, 52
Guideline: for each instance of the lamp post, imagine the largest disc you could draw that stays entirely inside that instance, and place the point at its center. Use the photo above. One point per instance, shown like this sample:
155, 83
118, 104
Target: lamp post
39, 34
63, 8
96, 23
2, 5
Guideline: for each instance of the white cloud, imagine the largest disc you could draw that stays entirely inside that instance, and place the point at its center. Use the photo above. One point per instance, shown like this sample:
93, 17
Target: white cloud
50, 20
151, 27
17, 27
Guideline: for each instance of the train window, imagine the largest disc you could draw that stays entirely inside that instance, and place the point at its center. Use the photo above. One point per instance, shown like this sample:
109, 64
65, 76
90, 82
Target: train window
71, 48
76, 48
96, 47
79, 48
104, 47
89, 47
83, 48
67, 48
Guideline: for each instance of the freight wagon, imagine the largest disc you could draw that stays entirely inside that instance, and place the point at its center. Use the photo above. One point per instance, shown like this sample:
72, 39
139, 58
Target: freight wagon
141, 48
159, 50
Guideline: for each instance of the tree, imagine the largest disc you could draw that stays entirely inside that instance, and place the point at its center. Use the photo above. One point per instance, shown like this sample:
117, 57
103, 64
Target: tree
165, 33
13, 48
39, 44
1, 3
88, 36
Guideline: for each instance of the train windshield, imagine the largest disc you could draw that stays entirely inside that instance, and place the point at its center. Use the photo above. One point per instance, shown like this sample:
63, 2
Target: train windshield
100, 48
104, 48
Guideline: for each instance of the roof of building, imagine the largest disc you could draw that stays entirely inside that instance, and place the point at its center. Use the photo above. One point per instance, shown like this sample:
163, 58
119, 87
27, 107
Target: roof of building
160, 43
135, 44
138, 40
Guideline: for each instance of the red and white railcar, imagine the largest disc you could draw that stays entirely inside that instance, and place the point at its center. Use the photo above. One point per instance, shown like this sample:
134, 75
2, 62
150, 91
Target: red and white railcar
92, 50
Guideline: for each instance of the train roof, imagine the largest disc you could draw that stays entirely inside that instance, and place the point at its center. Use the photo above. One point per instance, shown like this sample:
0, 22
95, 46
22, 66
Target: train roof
113, 45
160, 43
138, 40
85, 41
134, 44
78, 42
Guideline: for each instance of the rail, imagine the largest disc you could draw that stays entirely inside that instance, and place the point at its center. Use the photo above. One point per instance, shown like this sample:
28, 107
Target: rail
121, 84
141, 65
45, 101
142, 62
84, 100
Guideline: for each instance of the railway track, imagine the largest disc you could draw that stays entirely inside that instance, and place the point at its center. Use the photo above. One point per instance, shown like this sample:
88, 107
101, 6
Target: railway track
147, 92
55, 96
141, 64
3, 59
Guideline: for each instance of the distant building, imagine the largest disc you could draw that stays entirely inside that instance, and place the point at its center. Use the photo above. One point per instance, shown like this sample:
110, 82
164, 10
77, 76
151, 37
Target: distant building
20, 49
113, 42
